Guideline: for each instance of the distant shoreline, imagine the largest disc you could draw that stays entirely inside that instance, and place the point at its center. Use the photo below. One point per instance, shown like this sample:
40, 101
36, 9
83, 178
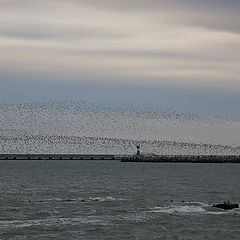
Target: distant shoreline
128, 158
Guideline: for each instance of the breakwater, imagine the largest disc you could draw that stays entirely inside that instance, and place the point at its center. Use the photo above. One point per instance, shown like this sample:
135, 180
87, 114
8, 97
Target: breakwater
128, 158
184, 158
59, 157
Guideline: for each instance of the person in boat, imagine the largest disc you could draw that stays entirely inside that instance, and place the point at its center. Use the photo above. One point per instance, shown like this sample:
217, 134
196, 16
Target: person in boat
226, 205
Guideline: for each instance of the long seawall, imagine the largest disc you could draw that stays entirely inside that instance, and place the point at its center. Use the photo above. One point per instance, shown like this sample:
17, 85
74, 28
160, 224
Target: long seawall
184, 159
58, 157
128, 158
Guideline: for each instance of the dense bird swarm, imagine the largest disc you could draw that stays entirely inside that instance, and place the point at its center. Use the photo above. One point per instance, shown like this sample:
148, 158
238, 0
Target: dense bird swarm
81, 127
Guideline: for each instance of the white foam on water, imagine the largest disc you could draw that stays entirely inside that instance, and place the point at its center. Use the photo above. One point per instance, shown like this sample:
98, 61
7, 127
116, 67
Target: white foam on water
217, 213
179, 209
224, 212
194, 207
198, 204
54, 199
50, 222
108, 198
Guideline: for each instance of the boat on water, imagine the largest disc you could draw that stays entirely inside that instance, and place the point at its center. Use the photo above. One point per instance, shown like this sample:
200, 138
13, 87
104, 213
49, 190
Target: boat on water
226, 205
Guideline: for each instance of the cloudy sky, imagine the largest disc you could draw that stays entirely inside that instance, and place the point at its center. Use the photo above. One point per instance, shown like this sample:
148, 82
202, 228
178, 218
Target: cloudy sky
183, 54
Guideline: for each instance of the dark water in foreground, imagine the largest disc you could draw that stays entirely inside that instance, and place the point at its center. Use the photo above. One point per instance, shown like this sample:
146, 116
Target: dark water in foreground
113, 200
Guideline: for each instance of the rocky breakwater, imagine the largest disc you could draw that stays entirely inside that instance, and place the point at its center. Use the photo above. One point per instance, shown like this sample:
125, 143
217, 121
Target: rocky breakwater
183, 158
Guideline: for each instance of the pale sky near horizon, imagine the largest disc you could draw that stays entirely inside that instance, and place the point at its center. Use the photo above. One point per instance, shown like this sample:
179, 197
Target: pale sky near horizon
175, 52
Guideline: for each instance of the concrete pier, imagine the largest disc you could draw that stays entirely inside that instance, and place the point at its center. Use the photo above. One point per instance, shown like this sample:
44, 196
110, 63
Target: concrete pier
58, 157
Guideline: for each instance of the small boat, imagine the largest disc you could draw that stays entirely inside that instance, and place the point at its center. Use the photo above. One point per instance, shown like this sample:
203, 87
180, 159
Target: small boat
226, 205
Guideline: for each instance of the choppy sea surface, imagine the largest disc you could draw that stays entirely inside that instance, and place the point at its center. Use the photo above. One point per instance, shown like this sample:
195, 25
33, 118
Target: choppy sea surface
114, 200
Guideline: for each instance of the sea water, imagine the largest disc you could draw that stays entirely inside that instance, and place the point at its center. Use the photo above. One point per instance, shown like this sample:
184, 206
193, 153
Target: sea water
114, 200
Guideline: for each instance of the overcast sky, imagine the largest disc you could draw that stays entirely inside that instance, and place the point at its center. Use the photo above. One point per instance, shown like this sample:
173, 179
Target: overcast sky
176, 52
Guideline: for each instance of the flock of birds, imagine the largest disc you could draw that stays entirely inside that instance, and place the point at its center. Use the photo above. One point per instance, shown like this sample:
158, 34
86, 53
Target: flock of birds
82, 127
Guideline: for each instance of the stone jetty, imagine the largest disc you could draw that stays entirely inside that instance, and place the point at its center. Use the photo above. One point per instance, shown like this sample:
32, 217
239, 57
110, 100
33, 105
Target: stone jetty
183, 158
128, 158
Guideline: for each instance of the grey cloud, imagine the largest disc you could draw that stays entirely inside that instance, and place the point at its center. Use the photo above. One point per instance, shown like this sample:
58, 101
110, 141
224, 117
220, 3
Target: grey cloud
220, 15
135, 5
28, 23
170, 54
41, 32
228, 56
210, 5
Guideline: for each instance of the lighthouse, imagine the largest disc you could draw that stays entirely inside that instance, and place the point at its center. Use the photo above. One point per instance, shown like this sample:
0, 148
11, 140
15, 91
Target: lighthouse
138, 150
